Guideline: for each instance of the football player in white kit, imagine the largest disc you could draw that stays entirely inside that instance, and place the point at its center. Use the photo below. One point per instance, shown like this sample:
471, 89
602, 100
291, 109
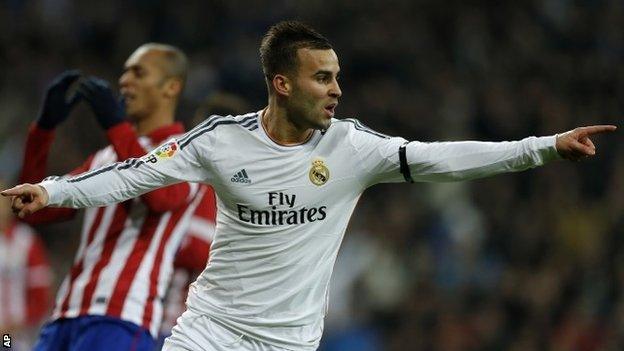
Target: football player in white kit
287, 179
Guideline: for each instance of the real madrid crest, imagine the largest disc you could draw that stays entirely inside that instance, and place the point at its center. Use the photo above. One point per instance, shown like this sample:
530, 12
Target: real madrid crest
319, 173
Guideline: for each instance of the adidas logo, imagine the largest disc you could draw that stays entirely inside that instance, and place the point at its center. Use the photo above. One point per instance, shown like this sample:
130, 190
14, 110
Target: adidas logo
241, 177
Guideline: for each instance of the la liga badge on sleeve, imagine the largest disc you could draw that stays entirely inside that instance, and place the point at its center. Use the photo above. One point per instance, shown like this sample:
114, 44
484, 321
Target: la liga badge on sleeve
167, 150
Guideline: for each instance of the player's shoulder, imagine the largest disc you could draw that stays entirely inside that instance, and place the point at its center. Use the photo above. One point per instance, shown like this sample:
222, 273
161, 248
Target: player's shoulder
354, 127
247, 121
215, 123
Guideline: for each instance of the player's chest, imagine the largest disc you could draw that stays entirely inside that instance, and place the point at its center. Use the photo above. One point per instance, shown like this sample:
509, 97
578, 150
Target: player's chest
284, 180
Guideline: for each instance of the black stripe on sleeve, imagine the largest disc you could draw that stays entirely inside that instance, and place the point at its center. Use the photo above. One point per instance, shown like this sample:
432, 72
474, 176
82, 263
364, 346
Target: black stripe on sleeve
404, 166
362, 128
129, 163
249, 122
205, 130
249, 118
207, 123
52, 178
92, 173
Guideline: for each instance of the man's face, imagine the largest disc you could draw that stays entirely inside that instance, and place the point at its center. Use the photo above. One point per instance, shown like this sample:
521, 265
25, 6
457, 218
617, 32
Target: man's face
315, 90
142, 83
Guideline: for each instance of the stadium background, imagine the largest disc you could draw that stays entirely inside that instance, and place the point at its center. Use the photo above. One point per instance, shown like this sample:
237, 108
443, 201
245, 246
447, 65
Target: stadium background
529, 261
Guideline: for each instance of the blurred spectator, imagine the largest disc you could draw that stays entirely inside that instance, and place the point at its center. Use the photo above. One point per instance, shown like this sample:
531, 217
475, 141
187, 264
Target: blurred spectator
25, 279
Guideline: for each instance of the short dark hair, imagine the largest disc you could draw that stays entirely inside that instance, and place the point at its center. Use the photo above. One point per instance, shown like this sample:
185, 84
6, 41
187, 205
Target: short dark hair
278, 51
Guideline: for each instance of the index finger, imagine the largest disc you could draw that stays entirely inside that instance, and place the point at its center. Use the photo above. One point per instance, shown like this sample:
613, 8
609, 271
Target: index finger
589, 130
14, 191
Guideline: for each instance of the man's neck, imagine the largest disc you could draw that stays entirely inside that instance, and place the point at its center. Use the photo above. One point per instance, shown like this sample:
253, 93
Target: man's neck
281, 129
157, 120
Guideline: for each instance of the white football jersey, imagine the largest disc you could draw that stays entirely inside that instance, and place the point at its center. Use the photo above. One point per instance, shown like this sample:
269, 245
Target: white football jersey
283, 210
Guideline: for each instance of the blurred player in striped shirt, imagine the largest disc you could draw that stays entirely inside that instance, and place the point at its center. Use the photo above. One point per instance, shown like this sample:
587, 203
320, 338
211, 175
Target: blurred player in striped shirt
111, 299
25, 278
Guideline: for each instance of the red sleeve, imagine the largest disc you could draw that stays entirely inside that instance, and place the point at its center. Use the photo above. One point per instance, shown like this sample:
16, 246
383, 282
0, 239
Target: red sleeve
125, 141
192, 255
34, 164
39, 282
195, 249
207, 208
34, 167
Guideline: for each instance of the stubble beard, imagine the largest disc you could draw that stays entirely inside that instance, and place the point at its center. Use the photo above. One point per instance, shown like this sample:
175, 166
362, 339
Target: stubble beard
314, 120
308, 115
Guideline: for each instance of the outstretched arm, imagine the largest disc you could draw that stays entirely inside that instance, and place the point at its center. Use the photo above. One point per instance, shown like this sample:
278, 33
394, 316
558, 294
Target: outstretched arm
117, 182
125, 142
462, 160
452, 161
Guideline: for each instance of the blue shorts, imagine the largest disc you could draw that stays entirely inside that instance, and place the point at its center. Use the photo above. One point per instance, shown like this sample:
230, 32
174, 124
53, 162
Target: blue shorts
93, 333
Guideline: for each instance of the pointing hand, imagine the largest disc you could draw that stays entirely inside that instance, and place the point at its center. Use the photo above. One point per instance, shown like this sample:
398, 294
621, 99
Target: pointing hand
27, 199
576, 144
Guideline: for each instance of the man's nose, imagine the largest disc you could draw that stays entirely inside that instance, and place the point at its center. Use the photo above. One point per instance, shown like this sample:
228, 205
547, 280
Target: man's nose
124, 79
334, 90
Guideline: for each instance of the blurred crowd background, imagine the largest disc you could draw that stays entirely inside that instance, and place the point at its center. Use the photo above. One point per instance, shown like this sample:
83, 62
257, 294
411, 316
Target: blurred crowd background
529, 261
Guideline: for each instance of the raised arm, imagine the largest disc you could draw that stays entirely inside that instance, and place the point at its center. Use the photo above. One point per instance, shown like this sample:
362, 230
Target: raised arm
54, 110
110, 115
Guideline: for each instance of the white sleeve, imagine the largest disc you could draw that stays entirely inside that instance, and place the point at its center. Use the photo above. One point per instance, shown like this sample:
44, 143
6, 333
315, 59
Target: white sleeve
377, 154
173, 162
462, 160
380, 160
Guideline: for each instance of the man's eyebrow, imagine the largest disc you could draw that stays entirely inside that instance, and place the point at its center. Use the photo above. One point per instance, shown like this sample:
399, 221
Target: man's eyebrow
133, 66
323, 72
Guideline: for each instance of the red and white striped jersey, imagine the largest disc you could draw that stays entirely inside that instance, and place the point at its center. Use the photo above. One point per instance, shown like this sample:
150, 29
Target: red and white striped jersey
125, 258
25, 278
191, 258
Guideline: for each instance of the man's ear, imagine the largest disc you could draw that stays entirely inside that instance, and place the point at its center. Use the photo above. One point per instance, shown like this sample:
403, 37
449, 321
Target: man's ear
173, 87
282, 85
